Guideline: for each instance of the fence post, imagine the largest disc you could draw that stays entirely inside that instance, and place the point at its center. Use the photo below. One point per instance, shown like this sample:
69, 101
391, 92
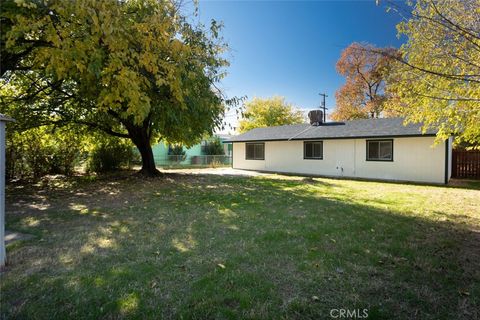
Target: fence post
3, 256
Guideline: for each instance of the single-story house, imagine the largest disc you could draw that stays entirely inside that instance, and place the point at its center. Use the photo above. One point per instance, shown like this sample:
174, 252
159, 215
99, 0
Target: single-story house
378, 149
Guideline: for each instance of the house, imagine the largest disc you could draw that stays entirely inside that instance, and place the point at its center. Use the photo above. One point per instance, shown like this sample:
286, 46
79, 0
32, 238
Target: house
194, 155
379, 149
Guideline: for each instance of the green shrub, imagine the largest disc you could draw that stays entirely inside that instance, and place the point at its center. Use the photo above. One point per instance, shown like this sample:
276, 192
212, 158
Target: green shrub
215, 147
111, 154
39, 151
176, 153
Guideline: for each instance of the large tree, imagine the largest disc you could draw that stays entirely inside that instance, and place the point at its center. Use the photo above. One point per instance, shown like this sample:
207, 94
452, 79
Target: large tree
437, 77
363, 94
135, 69
267, 112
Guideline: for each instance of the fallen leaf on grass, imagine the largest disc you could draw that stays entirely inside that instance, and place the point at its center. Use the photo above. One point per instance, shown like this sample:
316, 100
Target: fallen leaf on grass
464, 292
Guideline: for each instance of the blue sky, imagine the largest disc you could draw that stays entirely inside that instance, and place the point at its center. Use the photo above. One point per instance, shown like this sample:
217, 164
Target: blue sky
290, 48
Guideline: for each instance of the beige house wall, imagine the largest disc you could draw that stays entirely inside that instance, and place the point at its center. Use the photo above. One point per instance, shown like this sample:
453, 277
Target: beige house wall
414, 159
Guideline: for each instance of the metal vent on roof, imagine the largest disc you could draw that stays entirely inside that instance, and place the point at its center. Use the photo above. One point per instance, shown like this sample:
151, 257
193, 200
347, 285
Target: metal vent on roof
316, 117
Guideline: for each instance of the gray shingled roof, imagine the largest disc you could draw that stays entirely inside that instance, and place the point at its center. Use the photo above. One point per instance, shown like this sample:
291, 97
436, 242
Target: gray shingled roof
365, 128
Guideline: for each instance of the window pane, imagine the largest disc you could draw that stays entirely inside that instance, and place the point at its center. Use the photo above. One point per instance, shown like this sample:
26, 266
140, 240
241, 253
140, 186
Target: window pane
259, 151
313, 150
317, 150
250, 149
373, 150
308, 150
386, 150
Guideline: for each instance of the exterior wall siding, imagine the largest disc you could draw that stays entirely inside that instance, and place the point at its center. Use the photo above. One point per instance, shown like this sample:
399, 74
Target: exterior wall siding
414, 159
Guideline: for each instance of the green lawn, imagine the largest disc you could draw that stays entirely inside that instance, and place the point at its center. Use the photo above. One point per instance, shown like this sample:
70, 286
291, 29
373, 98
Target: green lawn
270, 247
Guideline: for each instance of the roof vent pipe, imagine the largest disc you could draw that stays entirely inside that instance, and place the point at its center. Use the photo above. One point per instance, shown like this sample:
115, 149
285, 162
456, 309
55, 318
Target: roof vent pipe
316, 117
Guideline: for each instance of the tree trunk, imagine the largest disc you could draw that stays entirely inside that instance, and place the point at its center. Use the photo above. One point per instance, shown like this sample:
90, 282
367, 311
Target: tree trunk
141, 140
148, 162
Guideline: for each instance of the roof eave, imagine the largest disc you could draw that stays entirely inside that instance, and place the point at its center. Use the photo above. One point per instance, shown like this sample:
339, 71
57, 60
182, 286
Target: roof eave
338, 138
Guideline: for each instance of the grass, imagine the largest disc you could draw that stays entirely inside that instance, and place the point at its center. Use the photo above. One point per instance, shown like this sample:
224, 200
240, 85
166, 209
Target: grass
269, 247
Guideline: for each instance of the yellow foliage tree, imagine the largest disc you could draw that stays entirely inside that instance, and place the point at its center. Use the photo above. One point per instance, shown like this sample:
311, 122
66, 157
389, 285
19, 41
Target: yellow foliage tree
437, 79
267, 112
135, 69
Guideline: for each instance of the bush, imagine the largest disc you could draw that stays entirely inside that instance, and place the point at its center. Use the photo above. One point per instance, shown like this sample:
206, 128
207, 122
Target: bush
39, 151
215, 147
111, 154
176, 153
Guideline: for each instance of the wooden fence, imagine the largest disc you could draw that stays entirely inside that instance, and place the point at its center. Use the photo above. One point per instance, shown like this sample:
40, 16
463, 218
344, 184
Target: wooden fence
466, 164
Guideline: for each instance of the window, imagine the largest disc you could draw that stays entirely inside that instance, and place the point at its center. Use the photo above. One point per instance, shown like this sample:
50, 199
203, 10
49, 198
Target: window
379, 150
255, 151
313, 150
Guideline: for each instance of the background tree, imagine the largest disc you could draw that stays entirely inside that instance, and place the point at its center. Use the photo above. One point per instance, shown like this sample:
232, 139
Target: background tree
437, 77
267, 112
363, 94
132, 69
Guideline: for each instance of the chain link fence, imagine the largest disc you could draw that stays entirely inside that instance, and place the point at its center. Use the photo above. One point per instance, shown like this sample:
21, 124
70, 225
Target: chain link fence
194, 161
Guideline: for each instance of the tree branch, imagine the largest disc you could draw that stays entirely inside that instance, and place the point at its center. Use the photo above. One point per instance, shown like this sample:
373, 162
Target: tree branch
446, 98
107, 130
455, 25
460, 77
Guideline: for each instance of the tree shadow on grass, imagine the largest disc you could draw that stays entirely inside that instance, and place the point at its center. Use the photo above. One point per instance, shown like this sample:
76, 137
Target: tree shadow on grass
235, 247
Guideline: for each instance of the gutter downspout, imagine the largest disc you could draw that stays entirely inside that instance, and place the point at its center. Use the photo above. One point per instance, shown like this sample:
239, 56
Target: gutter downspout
446, 160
